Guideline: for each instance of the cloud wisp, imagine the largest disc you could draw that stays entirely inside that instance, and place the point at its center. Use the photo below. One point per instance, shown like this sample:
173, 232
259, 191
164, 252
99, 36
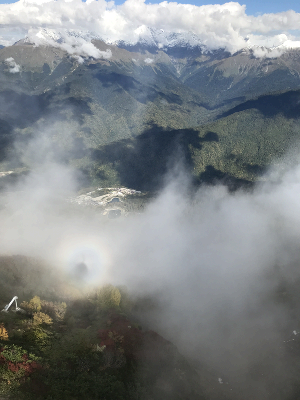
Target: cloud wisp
13, 67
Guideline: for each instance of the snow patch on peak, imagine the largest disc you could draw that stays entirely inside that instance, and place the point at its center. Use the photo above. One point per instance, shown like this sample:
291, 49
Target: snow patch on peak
79, 43
272, 47
75, 42
176, 39
159, 39
275, 51
46, 34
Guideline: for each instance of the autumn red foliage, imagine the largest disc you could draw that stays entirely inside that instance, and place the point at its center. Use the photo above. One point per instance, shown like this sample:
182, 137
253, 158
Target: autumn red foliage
28, 366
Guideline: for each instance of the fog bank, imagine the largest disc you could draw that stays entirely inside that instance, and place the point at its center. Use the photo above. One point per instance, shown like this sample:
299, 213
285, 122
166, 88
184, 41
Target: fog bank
216, 262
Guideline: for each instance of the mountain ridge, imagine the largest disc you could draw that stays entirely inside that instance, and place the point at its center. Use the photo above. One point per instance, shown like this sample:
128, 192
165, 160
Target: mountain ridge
155, 38
99, 114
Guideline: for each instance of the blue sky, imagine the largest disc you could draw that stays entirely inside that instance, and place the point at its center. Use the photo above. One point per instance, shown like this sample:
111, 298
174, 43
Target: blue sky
253, 6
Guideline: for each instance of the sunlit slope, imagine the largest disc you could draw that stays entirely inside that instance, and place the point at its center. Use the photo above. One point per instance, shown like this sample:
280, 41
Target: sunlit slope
108, 99
249, 138
128, 119
236, 148
80, 107
226, 79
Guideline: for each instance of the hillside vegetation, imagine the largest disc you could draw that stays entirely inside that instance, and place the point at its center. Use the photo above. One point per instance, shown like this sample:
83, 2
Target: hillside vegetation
65, 344
249, 138
125, 121
235, 149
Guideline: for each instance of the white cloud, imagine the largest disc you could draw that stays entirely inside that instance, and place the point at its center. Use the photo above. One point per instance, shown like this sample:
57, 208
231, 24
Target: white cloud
272, 47
260, 52
226, 25
148, 60
79, 59
75, 45
12, 65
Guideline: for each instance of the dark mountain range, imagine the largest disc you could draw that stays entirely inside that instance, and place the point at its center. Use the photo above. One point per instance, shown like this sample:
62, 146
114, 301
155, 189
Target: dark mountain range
119, 119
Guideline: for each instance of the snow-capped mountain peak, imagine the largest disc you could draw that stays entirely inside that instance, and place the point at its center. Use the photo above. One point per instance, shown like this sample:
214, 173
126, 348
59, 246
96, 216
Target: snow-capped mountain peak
160, 38
79, 43
75, 42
